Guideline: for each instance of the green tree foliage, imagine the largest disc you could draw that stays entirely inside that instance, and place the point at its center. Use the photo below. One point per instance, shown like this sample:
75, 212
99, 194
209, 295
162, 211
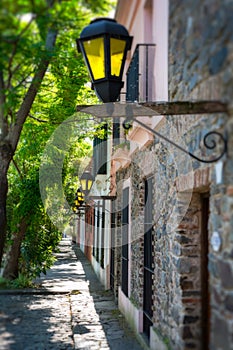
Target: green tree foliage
30, 230
42, 78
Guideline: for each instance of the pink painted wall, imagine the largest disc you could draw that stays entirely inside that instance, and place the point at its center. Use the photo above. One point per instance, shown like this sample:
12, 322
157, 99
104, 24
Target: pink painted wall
147, 22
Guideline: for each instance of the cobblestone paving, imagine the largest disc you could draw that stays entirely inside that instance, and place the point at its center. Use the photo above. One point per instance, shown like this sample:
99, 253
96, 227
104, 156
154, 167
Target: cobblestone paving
35, 322
70, 310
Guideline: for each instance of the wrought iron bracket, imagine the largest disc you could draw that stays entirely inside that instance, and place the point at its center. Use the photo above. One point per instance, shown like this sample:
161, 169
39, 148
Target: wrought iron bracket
209, 141
131, 110
110, 198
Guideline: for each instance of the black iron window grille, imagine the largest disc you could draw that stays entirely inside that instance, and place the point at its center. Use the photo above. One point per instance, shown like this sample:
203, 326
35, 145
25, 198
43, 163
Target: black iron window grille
100, 152
148, 258
139, 76
125, 242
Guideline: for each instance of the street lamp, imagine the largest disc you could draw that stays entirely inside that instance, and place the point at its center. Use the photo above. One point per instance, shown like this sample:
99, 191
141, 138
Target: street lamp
79, 199
79, 202
104, 44
86, 181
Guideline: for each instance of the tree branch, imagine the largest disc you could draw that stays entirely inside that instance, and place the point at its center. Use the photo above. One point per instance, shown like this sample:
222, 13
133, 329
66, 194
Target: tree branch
22, 81
58, 123
3, 121
37, 119
15, 43
2, 95
17, 168
32, 91
27, 26
10, 73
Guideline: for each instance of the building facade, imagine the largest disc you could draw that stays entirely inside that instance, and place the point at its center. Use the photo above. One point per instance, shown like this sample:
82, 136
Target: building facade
175, 273
169, 237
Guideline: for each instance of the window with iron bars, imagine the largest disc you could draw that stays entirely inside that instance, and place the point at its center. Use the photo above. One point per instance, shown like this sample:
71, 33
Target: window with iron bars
139, 77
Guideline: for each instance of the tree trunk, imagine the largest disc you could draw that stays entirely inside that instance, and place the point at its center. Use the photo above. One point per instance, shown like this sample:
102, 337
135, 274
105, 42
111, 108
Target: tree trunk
3, 195
5, 159
11, 269
9, 137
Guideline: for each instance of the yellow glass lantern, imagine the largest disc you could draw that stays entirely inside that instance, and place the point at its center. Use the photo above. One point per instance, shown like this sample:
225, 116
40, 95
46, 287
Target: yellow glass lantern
79, 199
104, 45
86, 181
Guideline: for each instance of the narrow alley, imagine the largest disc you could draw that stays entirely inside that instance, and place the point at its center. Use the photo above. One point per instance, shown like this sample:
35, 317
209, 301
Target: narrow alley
69, 310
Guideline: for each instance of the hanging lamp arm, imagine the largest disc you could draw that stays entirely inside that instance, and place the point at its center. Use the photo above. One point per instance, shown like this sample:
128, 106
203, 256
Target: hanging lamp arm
209, 141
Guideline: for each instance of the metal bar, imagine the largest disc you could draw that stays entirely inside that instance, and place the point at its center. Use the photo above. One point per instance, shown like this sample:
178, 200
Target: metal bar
147, 73
110, 198
208, 145
113, 110
186, 107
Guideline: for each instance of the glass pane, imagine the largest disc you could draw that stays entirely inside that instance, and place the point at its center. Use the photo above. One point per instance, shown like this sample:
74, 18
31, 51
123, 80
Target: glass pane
117, 53
83, 183
95, 54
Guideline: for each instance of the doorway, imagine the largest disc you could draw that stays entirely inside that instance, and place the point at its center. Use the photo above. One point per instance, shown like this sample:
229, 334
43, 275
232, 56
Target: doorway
205, 294
125, 242
148, 268
112, 250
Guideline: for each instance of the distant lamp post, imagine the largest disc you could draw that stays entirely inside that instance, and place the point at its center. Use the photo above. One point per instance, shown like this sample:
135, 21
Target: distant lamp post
86, 181
79, 199
78, 206
104, 44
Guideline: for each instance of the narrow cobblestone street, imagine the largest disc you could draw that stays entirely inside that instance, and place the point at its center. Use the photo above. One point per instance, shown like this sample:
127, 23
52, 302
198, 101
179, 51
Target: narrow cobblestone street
69, 310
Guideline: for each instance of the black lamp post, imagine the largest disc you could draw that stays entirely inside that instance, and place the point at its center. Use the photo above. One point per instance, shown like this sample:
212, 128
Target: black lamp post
104, 44
79, 199
79, 202
86, 181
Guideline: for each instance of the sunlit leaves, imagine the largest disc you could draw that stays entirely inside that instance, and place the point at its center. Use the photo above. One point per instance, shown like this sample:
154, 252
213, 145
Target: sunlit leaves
23, 28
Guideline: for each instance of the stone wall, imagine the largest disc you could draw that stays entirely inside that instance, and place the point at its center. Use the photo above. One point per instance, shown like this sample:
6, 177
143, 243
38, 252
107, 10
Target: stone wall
136, 230
200, 49
200, 67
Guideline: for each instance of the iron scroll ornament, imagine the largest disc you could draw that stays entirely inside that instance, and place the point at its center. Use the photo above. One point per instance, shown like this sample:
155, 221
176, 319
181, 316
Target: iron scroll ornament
209, 141
132, 110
